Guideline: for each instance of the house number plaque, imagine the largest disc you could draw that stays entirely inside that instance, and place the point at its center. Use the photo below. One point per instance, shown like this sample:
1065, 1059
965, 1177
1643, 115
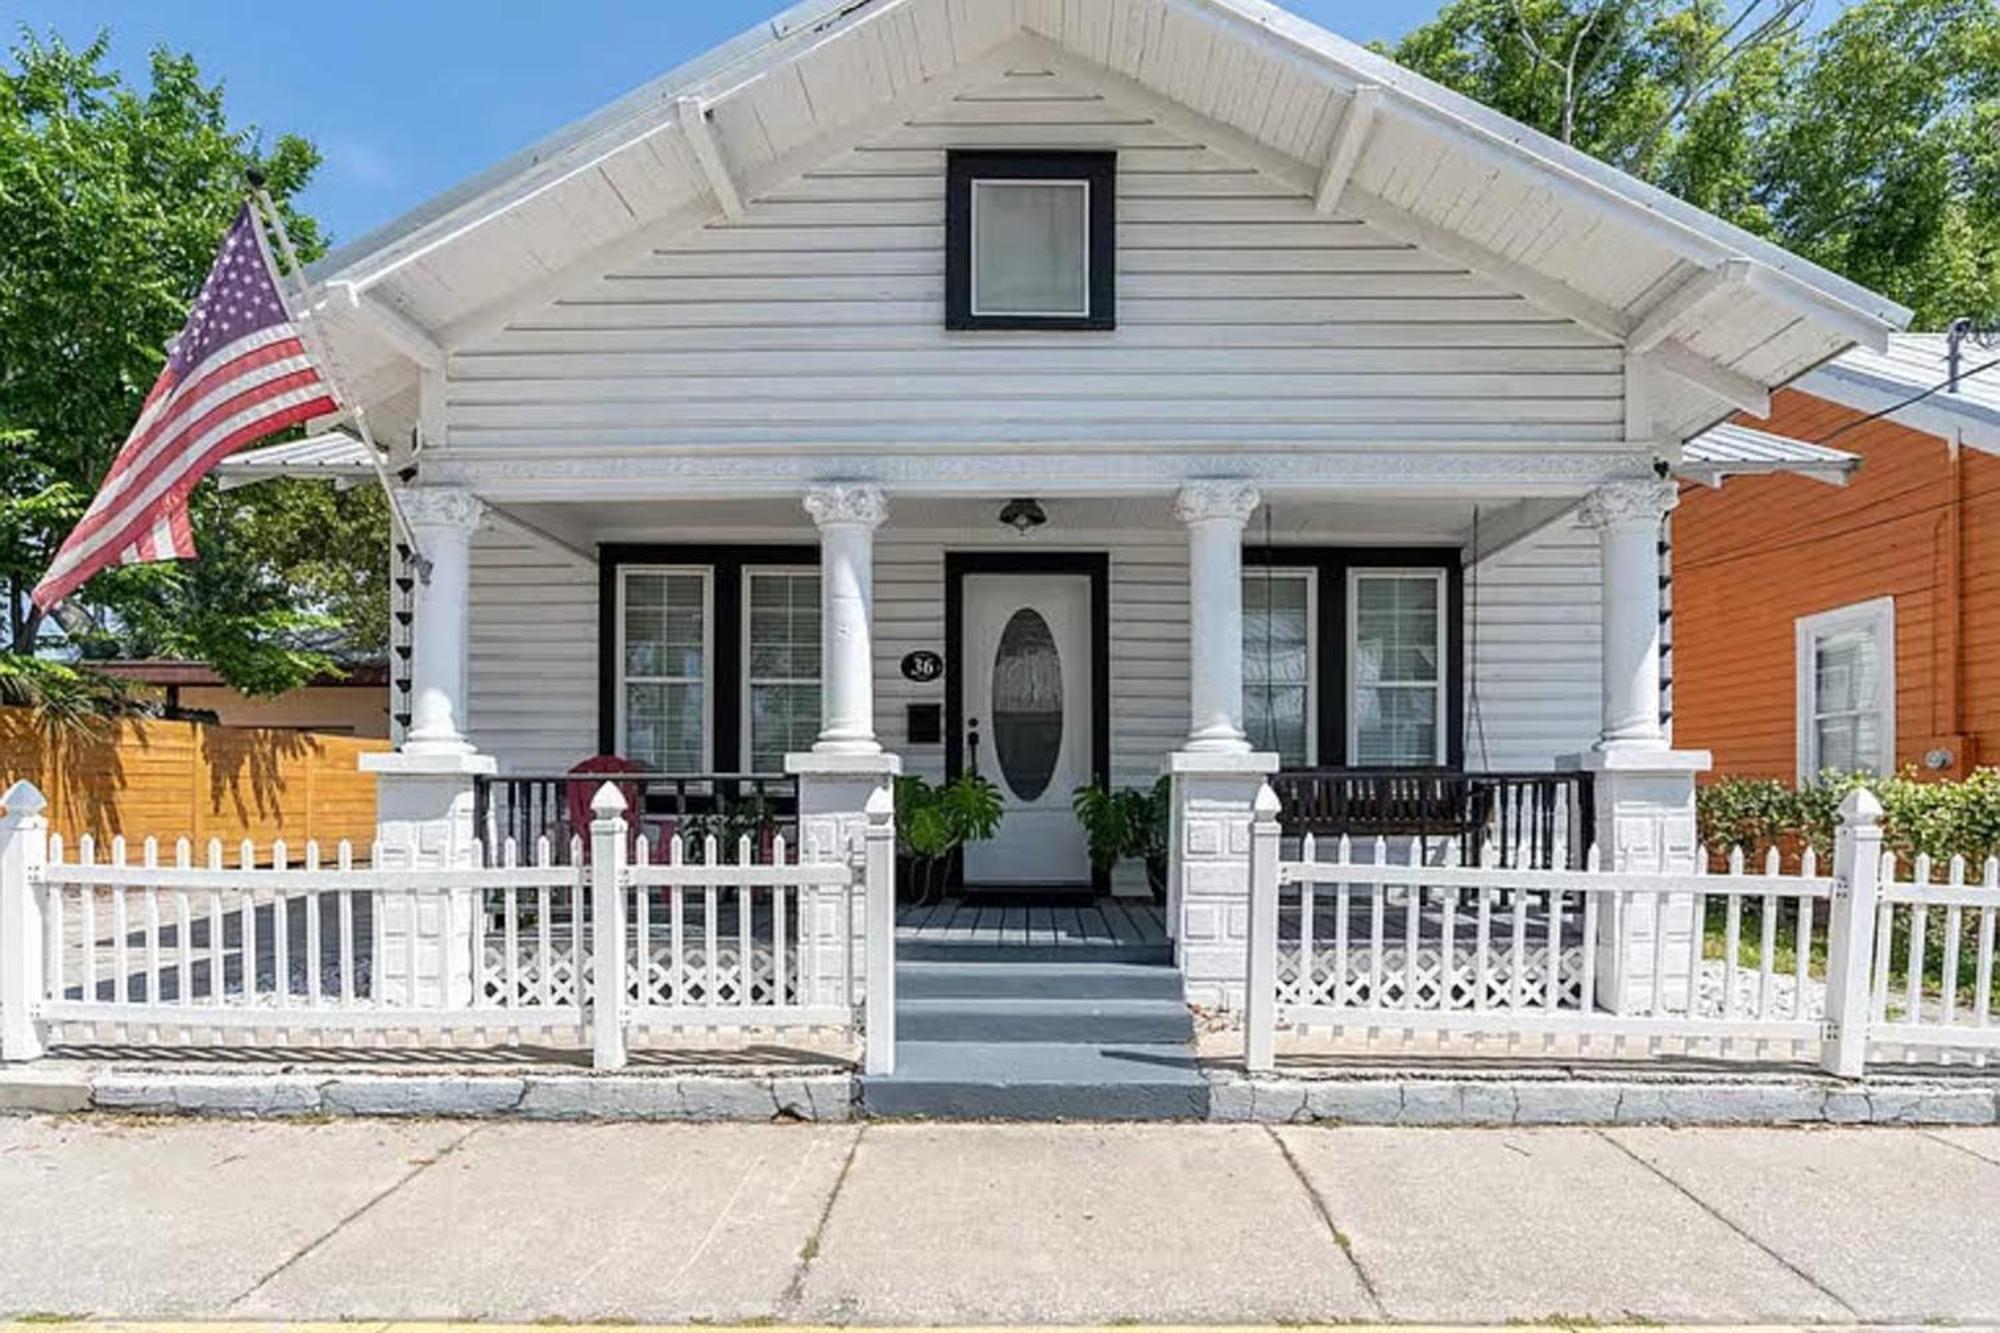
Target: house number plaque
922, 666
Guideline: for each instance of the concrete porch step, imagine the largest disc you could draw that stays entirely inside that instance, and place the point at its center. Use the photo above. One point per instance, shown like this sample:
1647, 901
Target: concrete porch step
931, 980
1060, 1018
1039, 1081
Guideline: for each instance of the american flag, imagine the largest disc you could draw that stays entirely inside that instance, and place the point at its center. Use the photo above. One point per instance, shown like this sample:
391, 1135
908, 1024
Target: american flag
237, 373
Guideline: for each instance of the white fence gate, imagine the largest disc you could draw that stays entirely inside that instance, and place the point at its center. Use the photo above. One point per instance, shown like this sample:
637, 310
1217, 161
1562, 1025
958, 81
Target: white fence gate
1806, 966
167, 948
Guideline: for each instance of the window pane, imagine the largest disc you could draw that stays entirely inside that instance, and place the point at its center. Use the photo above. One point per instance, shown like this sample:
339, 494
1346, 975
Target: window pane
664, 625
1848, 674
1030, 249
1277, 663
1395, 628
784, 667
664, 725
1395, 725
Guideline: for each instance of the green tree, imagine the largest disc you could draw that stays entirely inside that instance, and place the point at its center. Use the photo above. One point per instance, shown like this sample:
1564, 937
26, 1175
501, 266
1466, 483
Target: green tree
113, 200
1872, 147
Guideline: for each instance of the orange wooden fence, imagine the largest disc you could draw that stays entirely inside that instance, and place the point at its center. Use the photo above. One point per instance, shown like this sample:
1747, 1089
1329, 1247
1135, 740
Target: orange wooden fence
144, 778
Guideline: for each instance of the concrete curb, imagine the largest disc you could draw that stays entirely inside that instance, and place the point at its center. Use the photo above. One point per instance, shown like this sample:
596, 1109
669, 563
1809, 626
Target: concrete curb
1680, 1101
1398, 1098
821, 1097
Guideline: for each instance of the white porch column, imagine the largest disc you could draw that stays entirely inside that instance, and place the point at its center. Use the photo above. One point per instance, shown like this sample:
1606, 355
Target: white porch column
1216, 777
443, 519
1644, 790
424, 792
847, 517
1215, 512
846, 770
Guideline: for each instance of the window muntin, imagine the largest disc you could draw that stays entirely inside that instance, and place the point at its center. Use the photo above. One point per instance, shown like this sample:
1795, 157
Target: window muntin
781, 665
665, 657
1846, 689
1395, 667
1280, 628
1031, 248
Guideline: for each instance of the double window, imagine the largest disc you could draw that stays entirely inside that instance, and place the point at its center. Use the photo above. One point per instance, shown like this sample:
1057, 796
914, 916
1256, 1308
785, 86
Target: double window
1846, 691
1347, 660
713, 665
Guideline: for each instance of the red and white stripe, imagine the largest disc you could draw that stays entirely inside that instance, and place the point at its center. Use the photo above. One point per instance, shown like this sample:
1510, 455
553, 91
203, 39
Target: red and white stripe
243, 391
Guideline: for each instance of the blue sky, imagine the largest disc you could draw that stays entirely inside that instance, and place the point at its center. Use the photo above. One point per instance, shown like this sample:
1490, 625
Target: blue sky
406, 97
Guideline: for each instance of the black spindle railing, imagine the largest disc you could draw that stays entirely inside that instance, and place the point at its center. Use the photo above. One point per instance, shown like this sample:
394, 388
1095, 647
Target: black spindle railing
1533, 820
527, 807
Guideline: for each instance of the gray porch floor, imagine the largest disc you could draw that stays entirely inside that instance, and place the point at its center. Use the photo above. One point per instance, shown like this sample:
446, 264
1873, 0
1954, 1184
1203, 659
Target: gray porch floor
1091, 922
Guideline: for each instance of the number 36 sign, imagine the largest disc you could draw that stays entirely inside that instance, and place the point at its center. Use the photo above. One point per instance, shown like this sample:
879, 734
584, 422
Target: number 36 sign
922, 666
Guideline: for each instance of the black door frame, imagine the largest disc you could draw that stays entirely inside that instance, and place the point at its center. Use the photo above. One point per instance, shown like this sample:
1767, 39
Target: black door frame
1097, 566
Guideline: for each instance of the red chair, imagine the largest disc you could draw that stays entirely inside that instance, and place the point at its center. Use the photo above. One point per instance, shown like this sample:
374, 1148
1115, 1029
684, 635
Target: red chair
579, 795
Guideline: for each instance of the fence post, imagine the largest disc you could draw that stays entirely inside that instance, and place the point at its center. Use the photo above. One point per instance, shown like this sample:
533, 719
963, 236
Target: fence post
607, 928
1850, 931
1260, 998
24, 853
879, 884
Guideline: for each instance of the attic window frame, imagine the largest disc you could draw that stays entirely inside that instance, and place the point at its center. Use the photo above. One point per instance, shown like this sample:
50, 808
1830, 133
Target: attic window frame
1097, 170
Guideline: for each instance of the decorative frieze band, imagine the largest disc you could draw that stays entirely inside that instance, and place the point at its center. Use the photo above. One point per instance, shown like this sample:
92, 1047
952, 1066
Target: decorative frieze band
441, 507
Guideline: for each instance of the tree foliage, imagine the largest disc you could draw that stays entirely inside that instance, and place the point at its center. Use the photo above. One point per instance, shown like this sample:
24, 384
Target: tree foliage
1871, 147
113, 200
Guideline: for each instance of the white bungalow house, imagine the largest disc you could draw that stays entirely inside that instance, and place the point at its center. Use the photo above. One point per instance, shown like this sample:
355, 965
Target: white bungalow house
1081, 390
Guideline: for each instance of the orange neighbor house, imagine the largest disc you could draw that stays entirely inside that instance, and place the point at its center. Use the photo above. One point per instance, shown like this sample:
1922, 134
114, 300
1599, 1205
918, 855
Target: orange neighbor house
1857, 625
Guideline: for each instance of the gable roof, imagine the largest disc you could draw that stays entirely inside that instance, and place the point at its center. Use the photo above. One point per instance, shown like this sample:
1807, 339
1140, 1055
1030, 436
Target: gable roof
1725, 314
1910, 382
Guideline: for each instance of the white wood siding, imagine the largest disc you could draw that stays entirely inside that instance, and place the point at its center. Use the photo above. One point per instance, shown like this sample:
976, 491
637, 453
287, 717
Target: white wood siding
532, 687
1533, 650
1243, 314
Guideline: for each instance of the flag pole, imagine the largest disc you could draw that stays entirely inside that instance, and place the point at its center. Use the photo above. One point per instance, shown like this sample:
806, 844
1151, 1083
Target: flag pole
308, 328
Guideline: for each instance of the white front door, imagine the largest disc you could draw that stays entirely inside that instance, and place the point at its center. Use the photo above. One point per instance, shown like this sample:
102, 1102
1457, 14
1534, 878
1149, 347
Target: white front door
1027, 710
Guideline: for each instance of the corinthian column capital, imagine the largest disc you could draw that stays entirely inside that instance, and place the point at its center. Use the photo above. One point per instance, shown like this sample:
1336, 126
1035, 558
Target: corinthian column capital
1199, 501
866, 505
1628, 503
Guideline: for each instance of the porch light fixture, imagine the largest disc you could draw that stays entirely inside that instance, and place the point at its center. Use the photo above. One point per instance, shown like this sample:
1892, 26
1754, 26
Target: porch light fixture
1023, 515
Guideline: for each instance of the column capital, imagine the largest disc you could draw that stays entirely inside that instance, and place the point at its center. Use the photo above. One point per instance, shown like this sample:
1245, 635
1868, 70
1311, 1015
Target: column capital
1200, 501
441, 507
866, 505
1628, 503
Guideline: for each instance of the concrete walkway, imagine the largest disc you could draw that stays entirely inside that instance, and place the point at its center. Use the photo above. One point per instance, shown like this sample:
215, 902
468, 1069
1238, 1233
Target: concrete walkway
987, 1224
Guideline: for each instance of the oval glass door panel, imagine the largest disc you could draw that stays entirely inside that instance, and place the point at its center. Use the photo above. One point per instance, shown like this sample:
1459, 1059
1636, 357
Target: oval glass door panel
1027, 705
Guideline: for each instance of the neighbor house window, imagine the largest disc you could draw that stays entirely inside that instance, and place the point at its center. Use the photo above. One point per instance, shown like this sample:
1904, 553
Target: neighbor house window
1846, 672
1395, 666
1029, 240
664, 652
781, 665
1279, 628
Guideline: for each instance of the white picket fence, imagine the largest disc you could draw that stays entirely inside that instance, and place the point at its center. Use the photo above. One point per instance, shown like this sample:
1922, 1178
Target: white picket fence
599, 946
1375, 949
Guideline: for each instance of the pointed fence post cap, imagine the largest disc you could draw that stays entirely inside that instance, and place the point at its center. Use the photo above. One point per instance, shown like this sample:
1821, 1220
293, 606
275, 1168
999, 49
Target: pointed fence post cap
1860, 806
1267, 803
608, 802
24, 798
881, 805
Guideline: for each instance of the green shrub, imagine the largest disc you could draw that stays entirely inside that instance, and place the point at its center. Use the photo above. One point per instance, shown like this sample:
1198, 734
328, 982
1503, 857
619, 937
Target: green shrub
1938, 819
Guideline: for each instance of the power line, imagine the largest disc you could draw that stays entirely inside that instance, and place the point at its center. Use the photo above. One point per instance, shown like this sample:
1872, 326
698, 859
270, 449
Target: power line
1914, 398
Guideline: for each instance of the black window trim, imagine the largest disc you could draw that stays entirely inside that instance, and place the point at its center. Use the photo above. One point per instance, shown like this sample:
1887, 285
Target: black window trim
1099, 169
728, 744
1333, 563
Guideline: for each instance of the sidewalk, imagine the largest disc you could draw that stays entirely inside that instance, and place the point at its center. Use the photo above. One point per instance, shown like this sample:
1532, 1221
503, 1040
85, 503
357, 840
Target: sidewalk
991, 1224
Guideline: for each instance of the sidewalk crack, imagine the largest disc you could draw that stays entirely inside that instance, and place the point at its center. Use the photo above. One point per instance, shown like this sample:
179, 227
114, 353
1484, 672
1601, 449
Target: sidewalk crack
421, 1166
795, 1289
1965, 1148
1320, 1206
1722, 1217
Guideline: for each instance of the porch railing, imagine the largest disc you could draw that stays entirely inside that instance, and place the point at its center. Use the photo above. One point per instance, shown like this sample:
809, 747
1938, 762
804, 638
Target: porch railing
1536, 821
522, 809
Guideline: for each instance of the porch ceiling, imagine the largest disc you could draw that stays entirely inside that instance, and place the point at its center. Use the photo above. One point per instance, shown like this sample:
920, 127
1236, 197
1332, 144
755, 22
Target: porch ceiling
1721, 314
